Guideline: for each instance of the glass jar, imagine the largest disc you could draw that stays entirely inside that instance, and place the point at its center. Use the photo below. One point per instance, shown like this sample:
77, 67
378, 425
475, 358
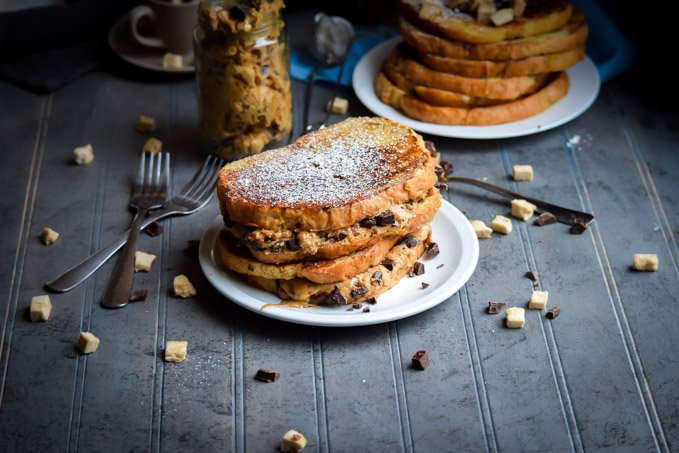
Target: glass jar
242, 67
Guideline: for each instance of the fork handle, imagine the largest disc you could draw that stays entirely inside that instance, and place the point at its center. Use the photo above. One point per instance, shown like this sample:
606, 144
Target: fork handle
563, 215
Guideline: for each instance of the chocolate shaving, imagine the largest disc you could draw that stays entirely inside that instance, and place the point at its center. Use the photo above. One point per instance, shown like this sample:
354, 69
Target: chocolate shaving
385, 218
409, 241
358, 292
546, 218
579, 226
421, 360
389, 264
425, 285
495, 307
418, 269
553, 313
431, 250
138, 295
267, 375
155, 229
350, 309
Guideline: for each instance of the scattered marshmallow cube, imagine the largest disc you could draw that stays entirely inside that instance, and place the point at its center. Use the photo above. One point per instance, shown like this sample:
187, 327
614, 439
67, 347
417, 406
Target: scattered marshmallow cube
523, 173
173, 60
482, 231
83, 155
338, 105
183, 287
502, 16
175, 350
153, 146
88, 342
146, 124
501, 224
143, 261
645, 262
515, 317
293, 442
41, 307
521, 209
48, 236
538, 300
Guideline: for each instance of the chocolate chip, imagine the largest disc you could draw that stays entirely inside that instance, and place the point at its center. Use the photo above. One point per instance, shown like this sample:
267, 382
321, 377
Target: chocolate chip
441, 186
421, 360
425, 285
431, 250
447, 167
546, 218
418, 269
267, 375
138, 295
155, 229
385, 218
531, 275
342, 235
553, 313
409, 241
579, 226
358, 292
366, 310
389, 264
292, 244
368, 222
495, 307
439, 266
371, 301
357, 306
431, 147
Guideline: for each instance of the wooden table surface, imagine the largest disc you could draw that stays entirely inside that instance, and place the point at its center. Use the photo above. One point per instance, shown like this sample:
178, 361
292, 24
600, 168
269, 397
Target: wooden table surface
604, 375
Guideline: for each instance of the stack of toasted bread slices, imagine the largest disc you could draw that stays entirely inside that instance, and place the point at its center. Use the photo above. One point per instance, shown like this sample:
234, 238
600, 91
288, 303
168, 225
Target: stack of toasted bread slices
337, 217
481, 62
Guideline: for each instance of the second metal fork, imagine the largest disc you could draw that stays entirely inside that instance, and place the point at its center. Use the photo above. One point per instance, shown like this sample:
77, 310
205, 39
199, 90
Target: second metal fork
149, 192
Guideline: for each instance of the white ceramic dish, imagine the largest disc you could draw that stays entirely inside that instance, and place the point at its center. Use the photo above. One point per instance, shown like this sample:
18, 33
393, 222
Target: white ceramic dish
459, 254
584, 88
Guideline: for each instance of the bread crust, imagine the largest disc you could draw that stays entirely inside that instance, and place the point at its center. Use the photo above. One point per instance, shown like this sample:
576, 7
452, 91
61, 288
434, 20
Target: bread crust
405, 171
549, 17
573, 34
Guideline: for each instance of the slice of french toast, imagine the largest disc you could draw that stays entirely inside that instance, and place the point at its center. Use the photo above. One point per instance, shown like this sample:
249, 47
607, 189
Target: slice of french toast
287, 246
328, 179
573, 34
369, 283
436, 17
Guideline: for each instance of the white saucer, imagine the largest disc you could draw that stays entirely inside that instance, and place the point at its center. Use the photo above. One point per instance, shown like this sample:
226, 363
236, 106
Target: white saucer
459, 254
121, 42
584, 88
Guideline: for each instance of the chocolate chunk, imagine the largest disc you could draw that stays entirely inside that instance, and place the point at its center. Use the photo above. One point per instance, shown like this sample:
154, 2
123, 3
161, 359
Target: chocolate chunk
138, 295
350, 309
267, 375
441, 186
425, 285
368, 222
421, 360
358, 292
439, 173
237, 13
495, 307
155, 229
333, 298
192, 247
579, 226
553, 313
431, 250
531, 275
366, 310
342, 235
376, 277
409, 241
439, 266
431, 147
389, 264
357, 306
385, 218
292, 244
371, 301
546, 218
447, 167
418, 269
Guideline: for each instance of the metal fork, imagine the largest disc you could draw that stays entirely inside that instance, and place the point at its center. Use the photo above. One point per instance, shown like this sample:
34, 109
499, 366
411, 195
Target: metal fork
149, 193
193, 196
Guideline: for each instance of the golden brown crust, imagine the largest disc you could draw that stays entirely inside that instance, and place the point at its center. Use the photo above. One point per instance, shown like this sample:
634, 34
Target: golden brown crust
486, 68
327, 245
302, 289
551, 16
573, 34
328, 179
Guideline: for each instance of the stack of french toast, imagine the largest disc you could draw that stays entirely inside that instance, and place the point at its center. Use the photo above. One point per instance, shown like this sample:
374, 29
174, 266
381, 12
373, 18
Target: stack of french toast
481, 62
337, 217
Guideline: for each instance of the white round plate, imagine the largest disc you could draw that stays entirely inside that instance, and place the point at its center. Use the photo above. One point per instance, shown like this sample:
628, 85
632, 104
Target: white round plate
459, 253
584, 88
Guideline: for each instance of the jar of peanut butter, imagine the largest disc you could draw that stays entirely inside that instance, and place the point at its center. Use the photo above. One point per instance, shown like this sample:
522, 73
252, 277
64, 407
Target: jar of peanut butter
242, 67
